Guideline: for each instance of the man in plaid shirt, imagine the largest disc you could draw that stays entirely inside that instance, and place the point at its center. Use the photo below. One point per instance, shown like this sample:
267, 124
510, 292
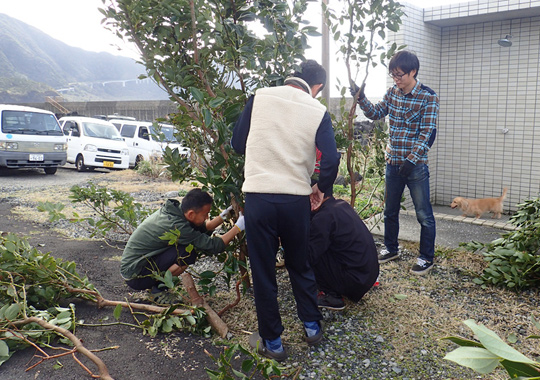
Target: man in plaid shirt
412, 109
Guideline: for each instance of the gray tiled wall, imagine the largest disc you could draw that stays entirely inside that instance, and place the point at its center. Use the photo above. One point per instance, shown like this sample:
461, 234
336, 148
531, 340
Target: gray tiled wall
489, 120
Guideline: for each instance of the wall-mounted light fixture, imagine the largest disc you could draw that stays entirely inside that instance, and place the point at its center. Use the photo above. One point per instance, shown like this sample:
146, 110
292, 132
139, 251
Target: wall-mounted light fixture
505, 42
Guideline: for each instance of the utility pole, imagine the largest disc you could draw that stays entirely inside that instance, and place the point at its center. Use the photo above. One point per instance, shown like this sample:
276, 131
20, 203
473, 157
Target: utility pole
326, 56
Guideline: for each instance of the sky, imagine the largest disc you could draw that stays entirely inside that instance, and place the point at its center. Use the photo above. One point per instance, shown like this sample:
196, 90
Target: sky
78, 23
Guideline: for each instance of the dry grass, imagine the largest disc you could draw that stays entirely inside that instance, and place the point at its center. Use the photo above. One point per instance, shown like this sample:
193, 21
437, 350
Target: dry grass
128, 181
415, 312
412, 313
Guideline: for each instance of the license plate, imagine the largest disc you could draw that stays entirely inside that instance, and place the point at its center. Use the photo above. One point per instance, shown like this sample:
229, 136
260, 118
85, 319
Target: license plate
108, 164
35, 157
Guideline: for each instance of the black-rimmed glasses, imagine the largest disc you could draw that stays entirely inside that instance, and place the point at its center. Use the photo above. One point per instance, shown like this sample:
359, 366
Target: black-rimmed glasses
396, 76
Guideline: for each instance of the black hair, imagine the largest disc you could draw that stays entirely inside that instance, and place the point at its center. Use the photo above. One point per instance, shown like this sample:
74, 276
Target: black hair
195, 200
406, 61
312, 73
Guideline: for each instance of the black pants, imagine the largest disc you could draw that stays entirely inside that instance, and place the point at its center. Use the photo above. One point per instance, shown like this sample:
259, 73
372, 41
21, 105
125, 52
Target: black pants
267, 222
160, 263
332, 277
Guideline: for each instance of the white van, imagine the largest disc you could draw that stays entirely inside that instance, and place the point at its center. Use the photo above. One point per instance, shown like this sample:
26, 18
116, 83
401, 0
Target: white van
94, 143
30, 138
146, 140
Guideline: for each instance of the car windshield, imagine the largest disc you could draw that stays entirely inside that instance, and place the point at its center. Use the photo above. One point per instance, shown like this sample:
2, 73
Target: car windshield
163, 133
101, 131
30, 123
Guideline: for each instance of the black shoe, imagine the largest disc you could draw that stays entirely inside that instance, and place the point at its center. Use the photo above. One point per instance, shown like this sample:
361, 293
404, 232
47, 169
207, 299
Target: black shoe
330, 302
386, 256
421, 267
255, 341
317, 338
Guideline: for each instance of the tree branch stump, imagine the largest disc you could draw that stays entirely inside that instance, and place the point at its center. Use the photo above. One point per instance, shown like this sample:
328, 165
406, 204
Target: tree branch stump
195, 299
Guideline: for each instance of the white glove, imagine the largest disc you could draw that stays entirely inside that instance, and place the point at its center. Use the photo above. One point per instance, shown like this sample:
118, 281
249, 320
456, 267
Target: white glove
225, 214
240, 222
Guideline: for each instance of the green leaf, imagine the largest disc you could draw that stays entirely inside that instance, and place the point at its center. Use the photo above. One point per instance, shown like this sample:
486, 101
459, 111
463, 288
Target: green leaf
207, 116
58, 365
117, 312
479, 359
496, 345
535, 322
190, 320
207, 274
247, 365
12, 311
520, 369
216, 102
239, 374
400, 296
168, 280
4, 349
197, 94
463, 342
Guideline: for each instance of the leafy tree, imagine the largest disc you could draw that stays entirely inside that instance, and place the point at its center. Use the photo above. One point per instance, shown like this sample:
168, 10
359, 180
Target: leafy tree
359, 28
211, 55
209, 58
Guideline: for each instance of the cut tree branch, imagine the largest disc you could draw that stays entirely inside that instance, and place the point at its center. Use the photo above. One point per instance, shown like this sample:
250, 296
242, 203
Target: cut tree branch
103, 371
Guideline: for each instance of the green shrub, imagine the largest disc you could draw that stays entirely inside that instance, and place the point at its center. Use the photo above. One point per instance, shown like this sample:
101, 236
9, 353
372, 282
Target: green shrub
514, 259
152, 168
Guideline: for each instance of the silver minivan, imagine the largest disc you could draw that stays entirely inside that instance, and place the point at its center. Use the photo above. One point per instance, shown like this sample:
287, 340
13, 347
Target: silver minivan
30, 138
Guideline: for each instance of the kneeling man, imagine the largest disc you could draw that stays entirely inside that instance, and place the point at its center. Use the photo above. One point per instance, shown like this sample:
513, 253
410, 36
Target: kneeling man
146, 252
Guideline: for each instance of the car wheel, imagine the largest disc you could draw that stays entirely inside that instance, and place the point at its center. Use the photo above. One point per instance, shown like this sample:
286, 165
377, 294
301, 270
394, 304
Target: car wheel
138, 160
79, 163
50, 170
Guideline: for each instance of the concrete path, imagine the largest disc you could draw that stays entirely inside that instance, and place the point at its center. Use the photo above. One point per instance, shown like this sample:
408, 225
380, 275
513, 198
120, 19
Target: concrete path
452, 228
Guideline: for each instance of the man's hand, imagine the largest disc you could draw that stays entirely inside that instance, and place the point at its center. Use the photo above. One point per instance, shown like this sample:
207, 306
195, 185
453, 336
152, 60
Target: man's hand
225, 214
406, 168
316, 197
357, 90
240, 223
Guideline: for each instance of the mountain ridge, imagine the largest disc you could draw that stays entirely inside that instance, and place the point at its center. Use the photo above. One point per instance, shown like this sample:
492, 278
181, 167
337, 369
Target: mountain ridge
29, 56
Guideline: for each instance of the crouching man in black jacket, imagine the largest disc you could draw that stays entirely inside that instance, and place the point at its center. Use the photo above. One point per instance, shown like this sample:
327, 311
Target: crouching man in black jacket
342, 254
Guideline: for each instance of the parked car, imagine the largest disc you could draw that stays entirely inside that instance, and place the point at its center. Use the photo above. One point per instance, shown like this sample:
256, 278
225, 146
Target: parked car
94, 143
30, 138
146, 140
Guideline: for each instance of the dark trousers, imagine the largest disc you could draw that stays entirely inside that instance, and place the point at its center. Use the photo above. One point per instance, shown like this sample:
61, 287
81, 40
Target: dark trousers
160, 263
333, 278
267, 222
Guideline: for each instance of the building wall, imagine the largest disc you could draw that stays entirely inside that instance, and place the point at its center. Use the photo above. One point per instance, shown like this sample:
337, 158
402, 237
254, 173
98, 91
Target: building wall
489, 114
147, 110
490, 111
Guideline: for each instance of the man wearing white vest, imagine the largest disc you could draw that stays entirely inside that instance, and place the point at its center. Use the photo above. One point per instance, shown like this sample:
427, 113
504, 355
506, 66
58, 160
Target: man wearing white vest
279, 131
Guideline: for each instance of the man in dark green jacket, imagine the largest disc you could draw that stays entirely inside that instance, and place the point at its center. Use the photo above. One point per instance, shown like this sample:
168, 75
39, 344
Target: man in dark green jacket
145, 252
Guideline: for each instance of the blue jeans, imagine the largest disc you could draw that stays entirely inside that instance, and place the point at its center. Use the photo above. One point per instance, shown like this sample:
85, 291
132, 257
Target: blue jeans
418, 184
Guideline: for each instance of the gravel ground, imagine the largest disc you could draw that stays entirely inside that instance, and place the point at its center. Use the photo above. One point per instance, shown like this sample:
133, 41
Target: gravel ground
394, 332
